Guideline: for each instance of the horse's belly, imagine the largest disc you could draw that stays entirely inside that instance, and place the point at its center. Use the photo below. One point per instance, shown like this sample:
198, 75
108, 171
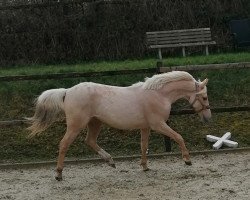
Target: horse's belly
125, 124
127, 121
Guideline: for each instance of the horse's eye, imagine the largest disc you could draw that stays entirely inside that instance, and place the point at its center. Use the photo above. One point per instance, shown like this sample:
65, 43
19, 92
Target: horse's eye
204, 98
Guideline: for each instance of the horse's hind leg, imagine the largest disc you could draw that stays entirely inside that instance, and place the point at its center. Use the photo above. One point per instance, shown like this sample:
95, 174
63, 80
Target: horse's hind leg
94, 128
144, 146
73, 129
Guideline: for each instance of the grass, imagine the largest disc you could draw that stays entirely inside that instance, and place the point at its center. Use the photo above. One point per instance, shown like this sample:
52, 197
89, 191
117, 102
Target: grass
225, 88
126, 64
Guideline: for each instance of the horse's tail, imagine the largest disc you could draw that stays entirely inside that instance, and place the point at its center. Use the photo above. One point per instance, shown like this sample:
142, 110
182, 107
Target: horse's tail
49, 106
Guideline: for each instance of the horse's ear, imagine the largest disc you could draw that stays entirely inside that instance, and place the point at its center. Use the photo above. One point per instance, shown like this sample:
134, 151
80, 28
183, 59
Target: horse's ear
204, 83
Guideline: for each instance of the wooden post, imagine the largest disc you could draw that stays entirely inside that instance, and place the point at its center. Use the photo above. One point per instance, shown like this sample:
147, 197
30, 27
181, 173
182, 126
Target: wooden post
159, 64
167, 142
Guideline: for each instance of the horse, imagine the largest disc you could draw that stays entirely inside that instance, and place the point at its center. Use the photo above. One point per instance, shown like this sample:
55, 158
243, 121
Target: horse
143, 105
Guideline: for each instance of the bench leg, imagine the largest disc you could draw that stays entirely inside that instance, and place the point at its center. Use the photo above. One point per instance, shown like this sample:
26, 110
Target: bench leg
159, 54
207, 53
183, 52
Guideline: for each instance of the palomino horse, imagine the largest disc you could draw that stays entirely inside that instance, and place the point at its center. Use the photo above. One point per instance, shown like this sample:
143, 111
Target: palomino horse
144, 105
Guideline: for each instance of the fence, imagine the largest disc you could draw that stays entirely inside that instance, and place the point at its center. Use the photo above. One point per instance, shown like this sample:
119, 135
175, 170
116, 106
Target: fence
244, 65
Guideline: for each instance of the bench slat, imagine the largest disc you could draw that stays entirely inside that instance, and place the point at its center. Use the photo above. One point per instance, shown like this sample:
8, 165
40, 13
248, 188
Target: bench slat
186, 38
177, 37
155, 35
170, 37
179, 31
182, 45
180, 41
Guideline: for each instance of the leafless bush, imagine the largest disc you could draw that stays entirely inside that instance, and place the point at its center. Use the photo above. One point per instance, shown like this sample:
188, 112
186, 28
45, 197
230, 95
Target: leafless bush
68, 30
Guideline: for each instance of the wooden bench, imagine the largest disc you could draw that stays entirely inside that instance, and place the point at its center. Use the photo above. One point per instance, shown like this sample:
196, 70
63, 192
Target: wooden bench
179, 38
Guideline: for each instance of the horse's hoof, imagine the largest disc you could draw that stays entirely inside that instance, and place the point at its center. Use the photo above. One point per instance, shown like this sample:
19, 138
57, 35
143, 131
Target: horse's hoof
112, 165
188, 163
146, 169
58, 178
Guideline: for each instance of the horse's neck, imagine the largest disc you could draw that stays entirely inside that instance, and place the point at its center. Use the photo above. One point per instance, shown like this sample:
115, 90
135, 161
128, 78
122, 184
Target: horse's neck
178, 89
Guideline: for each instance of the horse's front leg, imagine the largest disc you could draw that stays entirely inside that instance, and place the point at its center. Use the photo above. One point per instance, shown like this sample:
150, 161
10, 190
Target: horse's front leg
163, 128
144, 147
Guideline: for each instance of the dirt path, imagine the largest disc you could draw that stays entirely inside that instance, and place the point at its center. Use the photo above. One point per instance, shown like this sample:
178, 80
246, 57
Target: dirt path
213, 176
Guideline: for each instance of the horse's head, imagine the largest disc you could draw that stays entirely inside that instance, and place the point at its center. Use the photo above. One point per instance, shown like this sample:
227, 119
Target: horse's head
199, 101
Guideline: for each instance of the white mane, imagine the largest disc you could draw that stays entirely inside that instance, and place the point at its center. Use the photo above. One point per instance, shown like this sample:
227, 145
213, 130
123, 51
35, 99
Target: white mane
158, 81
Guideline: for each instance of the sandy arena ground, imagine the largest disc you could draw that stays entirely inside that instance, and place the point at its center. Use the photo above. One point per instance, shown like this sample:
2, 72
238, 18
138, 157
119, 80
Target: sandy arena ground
223, 176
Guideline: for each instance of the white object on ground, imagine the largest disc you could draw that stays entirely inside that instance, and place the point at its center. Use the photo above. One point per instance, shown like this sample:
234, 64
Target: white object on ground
223, 140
